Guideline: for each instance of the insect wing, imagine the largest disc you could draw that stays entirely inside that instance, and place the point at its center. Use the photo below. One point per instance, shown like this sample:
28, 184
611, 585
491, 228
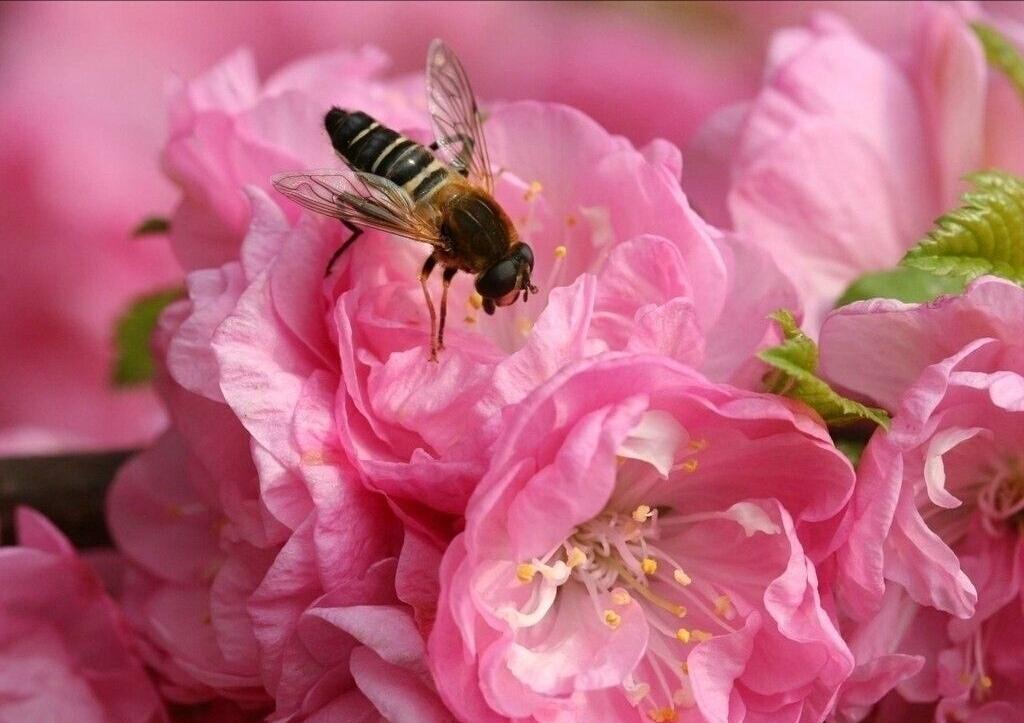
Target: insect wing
455, 117
359, 198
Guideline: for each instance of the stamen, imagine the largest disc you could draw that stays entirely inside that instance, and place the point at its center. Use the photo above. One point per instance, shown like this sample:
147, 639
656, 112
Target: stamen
649, 565
561, 252
662, 715
621, 597
723, 607
701, 636
641, 513
683, 635
612, 619
525, 572
533, 191
476, 301
575, 557
682, 578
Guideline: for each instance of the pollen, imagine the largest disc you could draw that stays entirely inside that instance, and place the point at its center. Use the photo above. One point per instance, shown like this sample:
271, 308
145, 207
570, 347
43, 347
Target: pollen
723, 606
986, 682
683, 635
682, 578
525, 572
561, 252
575, 557
524, 325
697, 444
476, 301
469, 319
701, 636
663, 715
621, 597
641, 513
689, 466
612, 619
680, 611
533, 191
649, 565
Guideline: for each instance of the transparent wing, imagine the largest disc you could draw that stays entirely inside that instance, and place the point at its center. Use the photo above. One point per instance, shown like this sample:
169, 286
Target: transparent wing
359, 198
455, 117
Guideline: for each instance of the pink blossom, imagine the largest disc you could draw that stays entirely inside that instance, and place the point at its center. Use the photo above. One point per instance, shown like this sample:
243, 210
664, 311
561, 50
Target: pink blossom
254, 582
634, 552
65, 650
622, 261
940, 497
848, 153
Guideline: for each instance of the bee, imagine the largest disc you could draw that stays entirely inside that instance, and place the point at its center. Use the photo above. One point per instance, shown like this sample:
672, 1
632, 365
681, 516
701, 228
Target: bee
441, 194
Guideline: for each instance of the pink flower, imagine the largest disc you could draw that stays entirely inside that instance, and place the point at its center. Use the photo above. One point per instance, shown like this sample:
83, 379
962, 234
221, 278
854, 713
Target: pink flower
940, 497
634, 552
65, 650
623, 263
262, 584
850, 151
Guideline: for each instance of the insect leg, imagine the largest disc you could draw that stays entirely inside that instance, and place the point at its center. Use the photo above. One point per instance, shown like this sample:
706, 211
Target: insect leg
446, 281
356, 233
428, 266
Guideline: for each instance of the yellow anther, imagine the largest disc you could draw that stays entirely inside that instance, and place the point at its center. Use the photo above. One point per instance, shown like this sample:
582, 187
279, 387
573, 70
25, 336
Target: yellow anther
524, 325
561, 252
532, 191
649, 565
701, 636
469, 319
683, 635
575, 557
682, 578
986, 682
621, 597
689, 466
641, 513
662, 715
697, 444
525, 572
685, 667
723, 605
476, 301
680, 611
612, 619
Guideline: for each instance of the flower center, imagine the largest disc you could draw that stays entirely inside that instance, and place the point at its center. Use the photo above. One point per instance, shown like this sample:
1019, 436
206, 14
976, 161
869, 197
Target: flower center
1001, 499
618, 557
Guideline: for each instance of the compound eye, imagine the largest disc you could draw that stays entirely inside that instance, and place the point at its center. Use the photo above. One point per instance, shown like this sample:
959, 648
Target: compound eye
499, 280
524, 252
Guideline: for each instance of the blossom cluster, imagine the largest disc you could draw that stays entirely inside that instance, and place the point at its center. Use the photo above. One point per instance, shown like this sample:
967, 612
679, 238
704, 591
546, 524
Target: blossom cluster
593, 506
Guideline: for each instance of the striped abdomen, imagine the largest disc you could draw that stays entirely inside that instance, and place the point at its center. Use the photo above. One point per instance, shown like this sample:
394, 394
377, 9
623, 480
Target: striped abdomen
372, 148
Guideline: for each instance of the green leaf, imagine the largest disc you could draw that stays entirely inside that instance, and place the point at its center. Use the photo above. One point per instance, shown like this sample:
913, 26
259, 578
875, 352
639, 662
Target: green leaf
984, 236
1002, 53
852, 448
903, 283
133, 363
152, 226
795, 363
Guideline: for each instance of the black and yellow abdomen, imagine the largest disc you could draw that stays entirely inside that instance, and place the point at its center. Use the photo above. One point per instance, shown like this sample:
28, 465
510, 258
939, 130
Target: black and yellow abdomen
371, 147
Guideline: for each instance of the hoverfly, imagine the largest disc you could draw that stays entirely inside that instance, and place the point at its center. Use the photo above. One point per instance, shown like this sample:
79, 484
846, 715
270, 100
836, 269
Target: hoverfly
440, 195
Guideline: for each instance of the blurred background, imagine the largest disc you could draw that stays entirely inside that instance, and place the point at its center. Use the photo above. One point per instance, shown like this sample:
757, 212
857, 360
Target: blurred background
83, 119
